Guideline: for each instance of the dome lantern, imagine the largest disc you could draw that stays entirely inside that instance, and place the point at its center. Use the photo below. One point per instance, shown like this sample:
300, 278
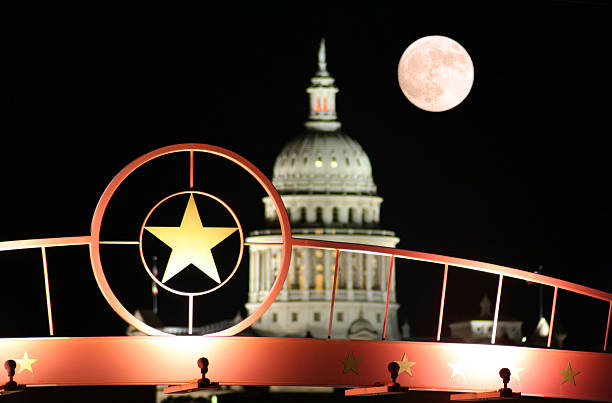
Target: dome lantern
322, 97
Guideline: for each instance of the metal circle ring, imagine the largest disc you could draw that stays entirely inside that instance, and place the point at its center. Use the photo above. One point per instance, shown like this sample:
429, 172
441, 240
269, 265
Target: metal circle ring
96, 224
193, 294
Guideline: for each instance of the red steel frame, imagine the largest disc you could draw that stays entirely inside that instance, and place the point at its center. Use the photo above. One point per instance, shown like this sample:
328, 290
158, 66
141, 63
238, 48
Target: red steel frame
288, 242
442, 298
333, 301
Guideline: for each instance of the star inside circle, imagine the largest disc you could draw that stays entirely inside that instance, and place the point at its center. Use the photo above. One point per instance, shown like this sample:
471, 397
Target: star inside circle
191, 243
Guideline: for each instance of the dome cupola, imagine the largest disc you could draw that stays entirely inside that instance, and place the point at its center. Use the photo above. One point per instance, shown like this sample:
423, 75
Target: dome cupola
323, 160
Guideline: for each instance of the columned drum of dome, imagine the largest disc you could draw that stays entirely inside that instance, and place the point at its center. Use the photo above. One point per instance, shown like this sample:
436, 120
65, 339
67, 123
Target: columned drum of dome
325, 180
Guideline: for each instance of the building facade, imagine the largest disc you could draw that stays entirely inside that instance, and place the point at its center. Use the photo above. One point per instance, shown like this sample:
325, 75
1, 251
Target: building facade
325, 180
480, 329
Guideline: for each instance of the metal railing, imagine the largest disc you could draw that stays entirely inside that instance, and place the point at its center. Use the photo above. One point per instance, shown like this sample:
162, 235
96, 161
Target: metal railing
446, 261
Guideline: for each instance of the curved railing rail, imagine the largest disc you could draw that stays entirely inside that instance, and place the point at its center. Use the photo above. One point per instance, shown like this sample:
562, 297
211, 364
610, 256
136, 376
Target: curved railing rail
447, 261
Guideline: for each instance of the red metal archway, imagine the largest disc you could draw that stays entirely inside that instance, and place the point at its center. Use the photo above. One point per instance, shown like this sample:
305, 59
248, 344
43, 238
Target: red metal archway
159, 359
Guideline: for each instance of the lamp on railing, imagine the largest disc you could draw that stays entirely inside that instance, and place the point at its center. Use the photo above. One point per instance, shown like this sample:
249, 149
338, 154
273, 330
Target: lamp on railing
11, 386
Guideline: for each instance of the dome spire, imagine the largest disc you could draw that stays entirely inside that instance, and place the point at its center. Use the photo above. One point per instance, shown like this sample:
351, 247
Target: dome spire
322, 63
322, 97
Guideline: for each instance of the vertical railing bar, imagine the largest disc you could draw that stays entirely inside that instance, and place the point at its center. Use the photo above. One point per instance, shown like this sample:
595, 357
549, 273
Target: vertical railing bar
442, 302
331, 311
190, 325
552, 317
388, 295
190, 169
608, 327
47, 292
496, 316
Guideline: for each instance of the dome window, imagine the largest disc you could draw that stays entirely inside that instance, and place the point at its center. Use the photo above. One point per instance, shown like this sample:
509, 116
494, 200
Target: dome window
334, 163
348, 162
292, 161
305, 160
318, 163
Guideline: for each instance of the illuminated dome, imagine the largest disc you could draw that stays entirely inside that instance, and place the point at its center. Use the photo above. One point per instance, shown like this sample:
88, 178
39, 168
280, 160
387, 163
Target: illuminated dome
323, 162
325, 181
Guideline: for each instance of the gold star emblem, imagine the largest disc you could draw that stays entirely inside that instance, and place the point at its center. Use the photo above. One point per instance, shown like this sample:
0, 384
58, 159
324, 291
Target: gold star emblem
350, 363
568, 374
458, 369
405, 365
25, 363
191, 243
515, 371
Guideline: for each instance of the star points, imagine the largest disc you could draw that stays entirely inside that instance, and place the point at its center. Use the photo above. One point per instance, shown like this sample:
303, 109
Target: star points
568, 374
25, 363
405, 365
350, 363
515, 371
458, 369
191, 243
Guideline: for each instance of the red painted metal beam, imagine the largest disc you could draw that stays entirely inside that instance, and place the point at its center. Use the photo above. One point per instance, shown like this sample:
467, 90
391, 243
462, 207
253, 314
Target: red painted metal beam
308, 362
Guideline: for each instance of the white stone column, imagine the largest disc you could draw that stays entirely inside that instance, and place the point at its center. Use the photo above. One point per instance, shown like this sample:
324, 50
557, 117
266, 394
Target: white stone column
292, 268
268, 269
284, 296
307, 272
382, 273
252, 274
257, 271
348, 263
328, 267
392, 296
385, 267
369, 275
358, 262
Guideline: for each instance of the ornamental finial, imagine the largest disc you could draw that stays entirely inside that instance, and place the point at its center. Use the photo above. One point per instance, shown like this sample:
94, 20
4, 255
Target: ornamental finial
322, 63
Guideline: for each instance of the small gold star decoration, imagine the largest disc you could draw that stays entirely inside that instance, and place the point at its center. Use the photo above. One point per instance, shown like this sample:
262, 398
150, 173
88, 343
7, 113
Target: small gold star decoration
405, 365
458, 369
515, 371
350, 363
191, 243
568, 374
25, 363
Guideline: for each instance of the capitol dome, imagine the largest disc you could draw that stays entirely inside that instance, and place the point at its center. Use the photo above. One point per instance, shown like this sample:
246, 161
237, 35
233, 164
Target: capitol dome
323, 162
325, 181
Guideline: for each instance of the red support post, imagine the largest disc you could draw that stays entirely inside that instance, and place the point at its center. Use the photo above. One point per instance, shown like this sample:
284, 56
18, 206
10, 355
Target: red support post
608, 327
47, 292
552, 317
331, 311
442, 302
191, 169
496, 317
388, 295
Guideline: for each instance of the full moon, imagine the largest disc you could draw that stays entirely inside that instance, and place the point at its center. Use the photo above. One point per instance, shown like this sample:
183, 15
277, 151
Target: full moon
435, 73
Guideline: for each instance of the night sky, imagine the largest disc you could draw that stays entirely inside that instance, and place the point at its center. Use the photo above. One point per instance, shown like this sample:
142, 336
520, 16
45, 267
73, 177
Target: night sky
517, 175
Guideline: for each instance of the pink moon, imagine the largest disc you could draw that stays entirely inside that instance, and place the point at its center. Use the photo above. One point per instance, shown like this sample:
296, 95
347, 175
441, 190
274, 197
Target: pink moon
435, 73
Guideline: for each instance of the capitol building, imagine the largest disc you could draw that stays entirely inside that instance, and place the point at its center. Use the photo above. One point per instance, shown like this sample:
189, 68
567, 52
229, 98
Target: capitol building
325, 180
